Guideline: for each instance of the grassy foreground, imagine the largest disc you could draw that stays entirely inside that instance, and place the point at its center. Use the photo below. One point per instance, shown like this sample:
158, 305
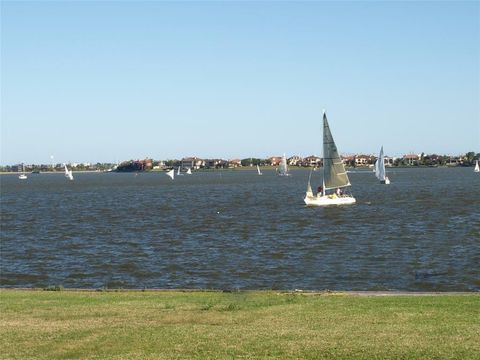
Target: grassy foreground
152, 325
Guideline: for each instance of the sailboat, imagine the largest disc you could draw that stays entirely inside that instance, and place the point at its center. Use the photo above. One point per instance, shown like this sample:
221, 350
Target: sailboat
283, 169
171, 173
477, 168
189, 171
334, 175
258, 170
68, 173
380, 169
23, 176
178, 171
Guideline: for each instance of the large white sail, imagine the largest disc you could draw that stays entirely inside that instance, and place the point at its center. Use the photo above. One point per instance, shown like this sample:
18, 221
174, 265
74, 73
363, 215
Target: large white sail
334, 173
380, 166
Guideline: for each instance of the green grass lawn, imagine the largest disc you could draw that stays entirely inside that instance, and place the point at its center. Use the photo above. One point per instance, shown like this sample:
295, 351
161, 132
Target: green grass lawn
252, 325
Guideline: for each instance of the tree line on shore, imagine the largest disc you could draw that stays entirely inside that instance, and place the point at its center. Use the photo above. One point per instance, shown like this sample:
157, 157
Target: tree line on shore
422, 159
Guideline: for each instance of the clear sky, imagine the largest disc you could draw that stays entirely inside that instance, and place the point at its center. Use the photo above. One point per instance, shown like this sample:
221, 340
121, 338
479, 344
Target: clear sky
115, 80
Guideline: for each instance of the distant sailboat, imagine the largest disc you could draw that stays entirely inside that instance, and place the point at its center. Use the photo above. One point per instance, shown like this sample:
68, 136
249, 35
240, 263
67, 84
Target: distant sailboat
258, 170
68, 173
283, 168
23, 176
178, 171
380, 169
334, 175
477, 168
171, 173
189, 171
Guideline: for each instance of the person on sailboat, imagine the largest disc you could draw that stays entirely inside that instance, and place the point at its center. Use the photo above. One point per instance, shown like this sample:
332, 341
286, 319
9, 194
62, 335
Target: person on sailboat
320, 189
339, 192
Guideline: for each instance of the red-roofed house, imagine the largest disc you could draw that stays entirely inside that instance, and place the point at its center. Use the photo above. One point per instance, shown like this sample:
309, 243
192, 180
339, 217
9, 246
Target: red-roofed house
275, 160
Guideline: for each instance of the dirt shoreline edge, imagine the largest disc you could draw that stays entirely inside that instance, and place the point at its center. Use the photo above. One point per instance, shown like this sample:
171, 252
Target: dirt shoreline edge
296, 291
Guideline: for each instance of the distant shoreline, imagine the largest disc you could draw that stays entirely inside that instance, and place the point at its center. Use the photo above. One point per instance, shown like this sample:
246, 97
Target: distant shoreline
240, 168
48, 172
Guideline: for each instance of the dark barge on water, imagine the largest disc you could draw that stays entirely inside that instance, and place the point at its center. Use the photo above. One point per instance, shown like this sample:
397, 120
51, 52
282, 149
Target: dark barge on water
135, 165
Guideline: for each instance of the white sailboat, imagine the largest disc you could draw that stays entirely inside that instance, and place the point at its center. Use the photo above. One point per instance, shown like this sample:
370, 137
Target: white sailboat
258, 170
178, 171
68, 173
171, 173
334, 175
189, 171
477, 168
283, 168
380, 169
23, 176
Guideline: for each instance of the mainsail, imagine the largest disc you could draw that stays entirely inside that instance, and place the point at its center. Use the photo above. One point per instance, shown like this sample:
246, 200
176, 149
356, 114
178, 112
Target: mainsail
334, 173
380, 166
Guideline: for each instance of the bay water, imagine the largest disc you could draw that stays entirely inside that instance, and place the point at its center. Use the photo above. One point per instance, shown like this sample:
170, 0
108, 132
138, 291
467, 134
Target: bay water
237, 230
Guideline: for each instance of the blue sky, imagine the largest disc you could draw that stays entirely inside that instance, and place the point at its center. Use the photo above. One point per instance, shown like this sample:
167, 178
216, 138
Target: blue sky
110, 81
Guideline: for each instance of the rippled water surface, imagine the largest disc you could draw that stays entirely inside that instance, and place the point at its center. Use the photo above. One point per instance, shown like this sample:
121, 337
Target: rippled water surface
238, 230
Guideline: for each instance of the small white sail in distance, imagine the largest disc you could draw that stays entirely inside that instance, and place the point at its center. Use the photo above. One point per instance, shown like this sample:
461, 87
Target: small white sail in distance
380, 169
283, 169
477, 167
258, 170
23, 176
171, 173
68, 173
189, 171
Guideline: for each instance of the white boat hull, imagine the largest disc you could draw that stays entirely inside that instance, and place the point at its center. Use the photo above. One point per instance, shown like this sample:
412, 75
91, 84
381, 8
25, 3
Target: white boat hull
329, 200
